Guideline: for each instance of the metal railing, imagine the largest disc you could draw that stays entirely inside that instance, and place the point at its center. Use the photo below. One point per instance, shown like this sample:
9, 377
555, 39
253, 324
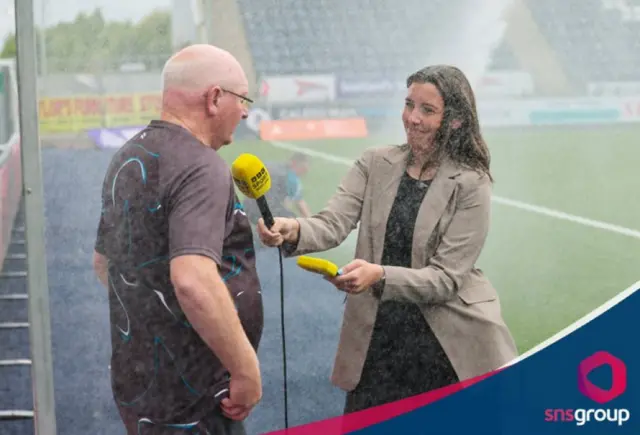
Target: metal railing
20, 163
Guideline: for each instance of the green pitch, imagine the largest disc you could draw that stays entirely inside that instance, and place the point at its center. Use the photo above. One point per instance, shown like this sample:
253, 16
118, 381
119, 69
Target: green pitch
553, 265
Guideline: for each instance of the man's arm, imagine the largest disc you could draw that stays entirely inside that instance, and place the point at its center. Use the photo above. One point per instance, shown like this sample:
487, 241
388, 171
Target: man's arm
208, 305
197, 212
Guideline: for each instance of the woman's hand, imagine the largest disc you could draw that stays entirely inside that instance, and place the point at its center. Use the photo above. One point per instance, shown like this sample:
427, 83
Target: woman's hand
283, 230
357, 276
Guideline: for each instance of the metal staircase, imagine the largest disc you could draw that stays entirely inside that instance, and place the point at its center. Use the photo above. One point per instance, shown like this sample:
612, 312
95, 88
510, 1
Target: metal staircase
16, 403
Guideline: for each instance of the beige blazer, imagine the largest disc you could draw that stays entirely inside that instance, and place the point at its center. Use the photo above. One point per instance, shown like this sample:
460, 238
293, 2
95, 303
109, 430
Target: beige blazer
458, 302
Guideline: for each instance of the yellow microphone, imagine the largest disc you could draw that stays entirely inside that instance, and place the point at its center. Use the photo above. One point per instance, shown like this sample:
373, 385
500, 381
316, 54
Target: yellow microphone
318, 265
253, 180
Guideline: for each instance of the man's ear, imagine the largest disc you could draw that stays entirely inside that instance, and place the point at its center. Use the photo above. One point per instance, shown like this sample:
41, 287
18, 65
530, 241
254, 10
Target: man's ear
456, 123
213, 100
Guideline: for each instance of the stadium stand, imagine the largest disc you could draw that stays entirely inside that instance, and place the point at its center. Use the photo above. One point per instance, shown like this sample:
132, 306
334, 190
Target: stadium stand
354, 37
590, 38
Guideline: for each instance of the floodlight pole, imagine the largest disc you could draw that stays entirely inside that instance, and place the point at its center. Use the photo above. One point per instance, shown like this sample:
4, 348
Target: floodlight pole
39, 315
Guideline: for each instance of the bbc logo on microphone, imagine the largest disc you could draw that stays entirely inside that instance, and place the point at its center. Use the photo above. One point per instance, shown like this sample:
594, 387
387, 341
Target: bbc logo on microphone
259, 175
260, 179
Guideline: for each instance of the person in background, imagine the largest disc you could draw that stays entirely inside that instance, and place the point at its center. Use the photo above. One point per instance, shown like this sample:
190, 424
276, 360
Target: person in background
286, 189
185, 326
419, 314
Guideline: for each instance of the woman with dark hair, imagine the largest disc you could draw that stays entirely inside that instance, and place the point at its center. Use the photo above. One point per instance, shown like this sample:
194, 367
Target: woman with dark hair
419, 315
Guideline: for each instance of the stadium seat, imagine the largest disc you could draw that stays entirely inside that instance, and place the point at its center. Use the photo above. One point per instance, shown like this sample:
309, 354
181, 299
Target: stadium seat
333, 36
594, 40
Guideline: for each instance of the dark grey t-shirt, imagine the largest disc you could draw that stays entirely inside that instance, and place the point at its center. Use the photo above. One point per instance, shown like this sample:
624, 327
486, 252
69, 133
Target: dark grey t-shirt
165, 194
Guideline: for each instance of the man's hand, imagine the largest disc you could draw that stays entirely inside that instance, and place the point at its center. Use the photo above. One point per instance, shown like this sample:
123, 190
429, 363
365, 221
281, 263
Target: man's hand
283, 230
244, 394
357, 276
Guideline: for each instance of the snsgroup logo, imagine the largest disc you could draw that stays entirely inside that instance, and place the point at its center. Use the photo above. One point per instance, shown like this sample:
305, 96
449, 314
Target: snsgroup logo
599, 395
619, 374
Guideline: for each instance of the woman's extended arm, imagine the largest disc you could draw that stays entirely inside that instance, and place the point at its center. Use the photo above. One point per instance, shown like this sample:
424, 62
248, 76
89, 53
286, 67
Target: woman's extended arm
330, 227
455, 256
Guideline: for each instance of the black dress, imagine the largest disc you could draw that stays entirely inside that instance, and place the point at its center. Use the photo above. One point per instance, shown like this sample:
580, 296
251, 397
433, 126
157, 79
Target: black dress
404, 357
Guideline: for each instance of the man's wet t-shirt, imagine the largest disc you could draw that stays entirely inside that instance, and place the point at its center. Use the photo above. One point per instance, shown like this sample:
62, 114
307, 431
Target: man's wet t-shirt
166, 195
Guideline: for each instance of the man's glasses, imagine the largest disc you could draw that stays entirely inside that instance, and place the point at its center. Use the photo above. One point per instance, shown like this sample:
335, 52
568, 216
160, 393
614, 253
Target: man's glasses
246, 101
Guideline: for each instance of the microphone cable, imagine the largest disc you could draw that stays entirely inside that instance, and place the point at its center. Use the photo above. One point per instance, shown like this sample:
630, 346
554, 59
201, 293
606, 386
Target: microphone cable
284, 347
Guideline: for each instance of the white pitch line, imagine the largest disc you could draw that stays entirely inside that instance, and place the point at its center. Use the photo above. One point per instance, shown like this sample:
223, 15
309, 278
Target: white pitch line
498, 199
568, 217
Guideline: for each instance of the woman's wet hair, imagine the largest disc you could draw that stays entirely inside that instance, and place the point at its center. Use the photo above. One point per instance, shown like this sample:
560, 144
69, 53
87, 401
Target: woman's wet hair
463, 144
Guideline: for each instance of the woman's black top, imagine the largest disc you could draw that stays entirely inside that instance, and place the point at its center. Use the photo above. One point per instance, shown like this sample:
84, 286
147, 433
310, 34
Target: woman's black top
404, 357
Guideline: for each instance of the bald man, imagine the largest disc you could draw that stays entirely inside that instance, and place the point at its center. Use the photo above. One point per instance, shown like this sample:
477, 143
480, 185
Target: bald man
176, 255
